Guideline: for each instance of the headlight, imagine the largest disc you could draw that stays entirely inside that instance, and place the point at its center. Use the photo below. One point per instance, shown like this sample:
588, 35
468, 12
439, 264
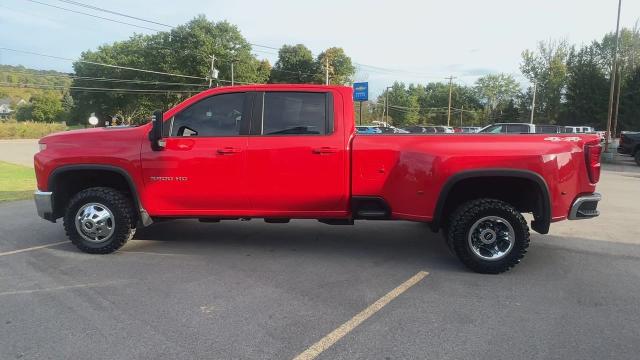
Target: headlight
42, 146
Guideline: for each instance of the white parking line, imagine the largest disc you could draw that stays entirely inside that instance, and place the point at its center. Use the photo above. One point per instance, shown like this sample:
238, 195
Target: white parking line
33, 248
106, 283
345, 328
151, 253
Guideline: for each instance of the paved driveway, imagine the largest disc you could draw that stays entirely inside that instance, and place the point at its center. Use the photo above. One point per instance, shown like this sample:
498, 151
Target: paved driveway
18, 151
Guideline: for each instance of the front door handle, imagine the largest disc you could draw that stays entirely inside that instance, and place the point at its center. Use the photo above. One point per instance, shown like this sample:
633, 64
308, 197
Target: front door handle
325, 150
228, 150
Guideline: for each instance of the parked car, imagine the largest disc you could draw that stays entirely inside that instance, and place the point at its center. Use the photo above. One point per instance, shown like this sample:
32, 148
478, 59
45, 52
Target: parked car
630, 145
368, 130
521, 128
467, 129
547, 129
391, 130
444, 129
578, 129
421, 129
500, 128
282, 152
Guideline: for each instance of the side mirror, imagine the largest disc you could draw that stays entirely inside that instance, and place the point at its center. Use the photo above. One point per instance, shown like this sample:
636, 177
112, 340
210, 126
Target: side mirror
155, 136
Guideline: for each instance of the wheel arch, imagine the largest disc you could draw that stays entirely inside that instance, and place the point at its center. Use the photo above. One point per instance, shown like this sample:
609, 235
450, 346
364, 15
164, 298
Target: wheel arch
116, 177
541, 208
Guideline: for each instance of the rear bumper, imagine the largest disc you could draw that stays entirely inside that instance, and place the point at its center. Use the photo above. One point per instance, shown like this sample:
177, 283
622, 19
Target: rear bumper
44, 204
585, 207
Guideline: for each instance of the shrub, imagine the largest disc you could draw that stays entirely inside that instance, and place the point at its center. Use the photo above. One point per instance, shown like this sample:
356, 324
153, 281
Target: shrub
28, 129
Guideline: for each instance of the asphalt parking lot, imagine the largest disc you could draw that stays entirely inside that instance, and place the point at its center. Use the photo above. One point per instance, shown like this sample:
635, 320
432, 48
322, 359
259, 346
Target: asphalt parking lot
250, 290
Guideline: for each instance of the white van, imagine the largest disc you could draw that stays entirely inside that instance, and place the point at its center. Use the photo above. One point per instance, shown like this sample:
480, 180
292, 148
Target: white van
578, 129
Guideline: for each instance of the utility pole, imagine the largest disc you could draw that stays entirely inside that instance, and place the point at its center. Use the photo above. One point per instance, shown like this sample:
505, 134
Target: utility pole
461, 111
386, 102
213, 58
232, 72
615, 116
613, 79
326, 66
450, 88
533, 102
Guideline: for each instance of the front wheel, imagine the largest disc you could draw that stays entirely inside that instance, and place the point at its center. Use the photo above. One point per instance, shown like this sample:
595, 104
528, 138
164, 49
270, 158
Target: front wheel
99, 220
489, 236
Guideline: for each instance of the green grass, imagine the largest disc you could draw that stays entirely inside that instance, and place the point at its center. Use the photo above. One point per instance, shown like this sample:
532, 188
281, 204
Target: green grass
17, 182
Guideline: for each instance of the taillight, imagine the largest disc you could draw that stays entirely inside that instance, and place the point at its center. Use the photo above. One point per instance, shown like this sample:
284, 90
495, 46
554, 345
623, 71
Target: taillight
592, 155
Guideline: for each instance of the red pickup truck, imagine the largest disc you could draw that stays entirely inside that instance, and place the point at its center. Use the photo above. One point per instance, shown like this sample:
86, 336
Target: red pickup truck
282, 152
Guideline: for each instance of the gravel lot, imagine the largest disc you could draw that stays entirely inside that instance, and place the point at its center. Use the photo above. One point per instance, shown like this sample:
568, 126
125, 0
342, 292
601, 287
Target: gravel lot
250, 290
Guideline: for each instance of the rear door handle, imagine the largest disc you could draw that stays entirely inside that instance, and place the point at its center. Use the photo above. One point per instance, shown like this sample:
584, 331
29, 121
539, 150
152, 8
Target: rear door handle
325, 150
228, 150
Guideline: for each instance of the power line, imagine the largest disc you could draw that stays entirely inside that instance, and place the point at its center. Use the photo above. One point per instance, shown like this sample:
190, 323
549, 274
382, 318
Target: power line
102, 64
92, 15
125, 15
76, 3
396, 71
371, 67
132, 81
95, 89
113, 12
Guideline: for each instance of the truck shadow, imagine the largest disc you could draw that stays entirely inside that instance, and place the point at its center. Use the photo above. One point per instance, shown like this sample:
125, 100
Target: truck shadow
371, 242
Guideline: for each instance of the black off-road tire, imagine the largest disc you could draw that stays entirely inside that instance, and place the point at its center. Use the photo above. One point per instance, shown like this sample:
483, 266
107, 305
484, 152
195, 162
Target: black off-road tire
124, 221
463, 218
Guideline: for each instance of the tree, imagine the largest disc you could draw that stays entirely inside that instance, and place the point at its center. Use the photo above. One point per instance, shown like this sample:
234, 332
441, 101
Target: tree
295, 65
341, 70
24, 112
630, 103
496, 91
185, 50
546, 67
402, 105
587, 90
511, 113
45, 107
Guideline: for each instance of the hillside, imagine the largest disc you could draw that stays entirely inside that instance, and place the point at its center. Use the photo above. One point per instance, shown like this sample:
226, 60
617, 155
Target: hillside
13, 78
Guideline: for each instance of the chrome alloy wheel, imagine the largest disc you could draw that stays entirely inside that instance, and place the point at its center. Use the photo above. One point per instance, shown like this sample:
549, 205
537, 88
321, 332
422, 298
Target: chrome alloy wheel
491, 238
95, 222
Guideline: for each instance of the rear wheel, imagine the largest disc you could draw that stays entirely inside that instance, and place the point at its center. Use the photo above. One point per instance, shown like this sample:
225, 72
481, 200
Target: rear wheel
99, 220
489, 236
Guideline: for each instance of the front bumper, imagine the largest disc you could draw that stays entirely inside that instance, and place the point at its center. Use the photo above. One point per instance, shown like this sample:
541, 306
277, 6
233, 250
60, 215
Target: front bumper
585, 207
44, 204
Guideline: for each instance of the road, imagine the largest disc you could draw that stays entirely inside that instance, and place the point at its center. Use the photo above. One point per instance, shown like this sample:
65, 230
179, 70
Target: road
18, 151
251, 290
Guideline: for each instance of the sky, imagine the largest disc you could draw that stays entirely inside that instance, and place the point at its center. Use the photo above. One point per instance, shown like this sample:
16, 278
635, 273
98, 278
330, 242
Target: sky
413, 41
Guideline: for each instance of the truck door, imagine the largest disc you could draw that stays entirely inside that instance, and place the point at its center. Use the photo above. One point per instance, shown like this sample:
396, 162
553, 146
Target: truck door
202, 169
297, 157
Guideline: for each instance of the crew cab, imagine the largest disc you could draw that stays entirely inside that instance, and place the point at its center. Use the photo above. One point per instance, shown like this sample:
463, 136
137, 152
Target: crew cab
281, 152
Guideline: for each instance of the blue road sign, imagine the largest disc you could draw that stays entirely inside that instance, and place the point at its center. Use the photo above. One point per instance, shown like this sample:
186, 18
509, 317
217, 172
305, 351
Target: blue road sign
361, 91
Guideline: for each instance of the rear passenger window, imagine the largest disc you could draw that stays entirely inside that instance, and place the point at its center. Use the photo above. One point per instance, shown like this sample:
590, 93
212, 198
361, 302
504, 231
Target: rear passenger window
295, 113
517, 128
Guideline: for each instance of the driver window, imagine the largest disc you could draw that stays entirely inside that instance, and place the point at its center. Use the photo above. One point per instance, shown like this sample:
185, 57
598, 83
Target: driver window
219, 115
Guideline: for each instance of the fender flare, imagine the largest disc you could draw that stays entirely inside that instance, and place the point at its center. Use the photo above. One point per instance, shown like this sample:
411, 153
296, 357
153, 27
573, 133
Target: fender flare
144, 217
541, 224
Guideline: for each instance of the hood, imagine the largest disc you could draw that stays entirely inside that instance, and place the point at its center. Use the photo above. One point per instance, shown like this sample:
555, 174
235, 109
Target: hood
99, 134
